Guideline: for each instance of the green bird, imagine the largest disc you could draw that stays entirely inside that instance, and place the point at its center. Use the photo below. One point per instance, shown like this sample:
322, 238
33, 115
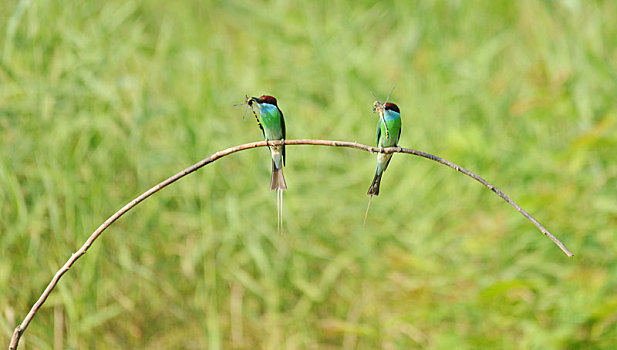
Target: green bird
388, 134
272, 126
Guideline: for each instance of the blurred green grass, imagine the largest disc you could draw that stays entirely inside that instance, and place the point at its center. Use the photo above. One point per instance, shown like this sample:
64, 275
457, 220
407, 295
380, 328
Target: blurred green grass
101, 100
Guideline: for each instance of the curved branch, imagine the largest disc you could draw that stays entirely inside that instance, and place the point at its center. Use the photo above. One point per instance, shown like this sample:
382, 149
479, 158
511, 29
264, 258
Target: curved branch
19, 330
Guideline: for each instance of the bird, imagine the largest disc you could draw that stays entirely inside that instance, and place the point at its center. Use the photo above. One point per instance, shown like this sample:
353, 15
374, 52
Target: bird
272, 125
388, 135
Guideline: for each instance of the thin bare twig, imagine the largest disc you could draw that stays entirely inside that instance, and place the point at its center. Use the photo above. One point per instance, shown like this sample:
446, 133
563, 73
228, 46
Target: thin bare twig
19, 330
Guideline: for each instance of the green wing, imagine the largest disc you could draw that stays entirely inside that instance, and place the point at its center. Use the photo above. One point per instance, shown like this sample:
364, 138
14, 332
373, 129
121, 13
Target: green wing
378, 133
284, 134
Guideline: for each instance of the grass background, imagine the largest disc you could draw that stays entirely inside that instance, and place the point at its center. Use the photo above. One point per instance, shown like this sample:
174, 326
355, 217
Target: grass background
101, 100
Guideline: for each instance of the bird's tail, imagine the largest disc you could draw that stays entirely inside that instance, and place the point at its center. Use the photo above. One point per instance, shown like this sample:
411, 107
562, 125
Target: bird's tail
374, 189
278, 180
278, 184
367, 208
279, 210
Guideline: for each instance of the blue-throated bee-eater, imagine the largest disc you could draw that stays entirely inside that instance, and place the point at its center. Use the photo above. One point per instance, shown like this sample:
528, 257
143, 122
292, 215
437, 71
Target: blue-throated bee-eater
388, 134
272, 126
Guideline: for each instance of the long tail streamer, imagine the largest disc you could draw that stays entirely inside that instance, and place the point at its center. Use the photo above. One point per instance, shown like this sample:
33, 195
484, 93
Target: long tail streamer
367, 208
279, 210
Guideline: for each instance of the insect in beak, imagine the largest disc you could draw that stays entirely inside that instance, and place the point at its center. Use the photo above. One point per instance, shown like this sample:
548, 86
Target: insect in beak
250, 100
380, 108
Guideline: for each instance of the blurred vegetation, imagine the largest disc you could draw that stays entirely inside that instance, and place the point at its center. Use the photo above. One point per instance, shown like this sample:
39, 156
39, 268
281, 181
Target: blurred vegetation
99, 100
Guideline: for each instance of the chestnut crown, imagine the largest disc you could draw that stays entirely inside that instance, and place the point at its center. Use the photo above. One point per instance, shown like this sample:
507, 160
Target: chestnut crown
267, 99
392, 107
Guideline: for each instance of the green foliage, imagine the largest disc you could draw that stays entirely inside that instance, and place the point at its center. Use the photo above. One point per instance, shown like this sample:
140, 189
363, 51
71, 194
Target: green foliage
99, 100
